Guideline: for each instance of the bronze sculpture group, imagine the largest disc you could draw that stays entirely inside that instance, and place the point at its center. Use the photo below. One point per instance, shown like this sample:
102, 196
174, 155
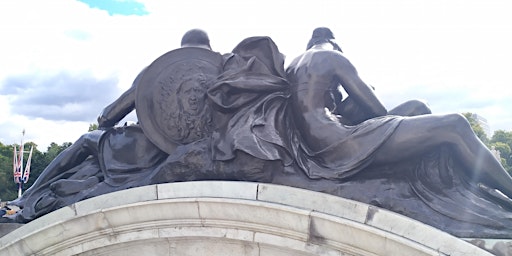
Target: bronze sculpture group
243, 116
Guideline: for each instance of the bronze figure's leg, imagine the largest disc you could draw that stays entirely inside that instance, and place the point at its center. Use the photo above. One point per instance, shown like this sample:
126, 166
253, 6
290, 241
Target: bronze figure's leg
416, 135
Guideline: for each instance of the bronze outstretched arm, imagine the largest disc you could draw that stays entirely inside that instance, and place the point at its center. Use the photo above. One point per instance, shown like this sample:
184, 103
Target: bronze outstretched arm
121, 107
118, 109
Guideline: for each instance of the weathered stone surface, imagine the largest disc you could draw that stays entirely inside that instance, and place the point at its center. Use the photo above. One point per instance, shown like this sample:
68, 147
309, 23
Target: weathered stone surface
228, 218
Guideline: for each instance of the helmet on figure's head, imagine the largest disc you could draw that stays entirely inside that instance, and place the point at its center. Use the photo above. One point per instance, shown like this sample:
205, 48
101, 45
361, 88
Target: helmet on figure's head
196, 38
323, 32
323, 35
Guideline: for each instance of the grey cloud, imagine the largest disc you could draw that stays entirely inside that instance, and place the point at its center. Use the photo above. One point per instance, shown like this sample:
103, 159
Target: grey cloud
63, 96
449, 99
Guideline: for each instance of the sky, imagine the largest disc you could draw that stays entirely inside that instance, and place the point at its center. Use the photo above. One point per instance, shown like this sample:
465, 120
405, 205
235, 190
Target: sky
63, 61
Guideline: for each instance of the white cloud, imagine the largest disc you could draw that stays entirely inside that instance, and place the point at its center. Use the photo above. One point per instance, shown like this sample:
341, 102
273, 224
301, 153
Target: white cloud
456, 52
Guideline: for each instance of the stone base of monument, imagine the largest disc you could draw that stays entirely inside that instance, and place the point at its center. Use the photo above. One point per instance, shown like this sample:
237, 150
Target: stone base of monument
229, 218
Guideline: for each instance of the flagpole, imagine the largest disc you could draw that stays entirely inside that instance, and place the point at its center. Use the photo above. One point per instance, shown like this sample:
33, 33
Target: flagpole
22, 148
21, 176
19, 189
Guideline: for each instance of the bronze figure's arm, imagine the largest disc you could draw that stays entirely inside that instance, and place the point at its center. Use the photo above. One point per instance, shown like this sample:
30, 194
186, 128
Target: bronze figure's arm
121, 107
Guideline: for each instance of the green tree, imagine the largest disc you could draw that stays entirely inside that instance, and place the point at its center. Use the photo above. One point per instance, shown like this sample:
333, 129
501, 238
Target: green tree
7, 186
503, 148
477, 129
502, 136
93, 127
8, 189
53, 150
504, 151
502, 141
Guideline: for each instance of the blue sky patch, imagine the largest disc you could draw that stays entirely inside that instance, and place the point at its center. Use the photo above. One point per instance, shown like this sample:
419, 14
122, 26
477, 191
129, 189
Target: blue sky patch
118, 7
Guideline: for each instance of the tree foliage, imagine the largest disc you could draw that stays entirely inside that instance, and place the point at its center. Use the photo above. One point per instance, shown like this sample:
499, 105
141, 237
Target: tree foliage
7, 186
477, 128
9, 189
501, 140
93, 127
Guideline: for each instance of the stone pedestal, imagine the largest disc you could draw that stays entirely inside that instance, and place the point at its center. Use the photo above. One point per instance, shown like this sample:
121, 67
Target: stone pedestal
227, 218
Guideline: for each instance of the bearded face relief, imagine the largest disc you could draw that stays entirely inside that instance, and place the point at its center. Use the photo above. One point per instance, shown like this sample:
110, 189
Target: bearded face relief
192, 97
191, 120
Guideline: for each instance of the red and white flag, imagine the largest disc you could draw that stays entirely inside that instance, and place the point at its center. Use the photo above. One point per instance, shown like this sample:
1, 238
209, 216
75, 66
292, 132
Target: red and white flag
26, 174
17, 162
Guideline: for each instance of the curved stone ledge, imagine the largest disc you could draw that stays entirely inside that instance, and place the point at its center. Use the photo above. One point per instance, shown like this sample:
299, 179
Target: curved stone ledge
227, 218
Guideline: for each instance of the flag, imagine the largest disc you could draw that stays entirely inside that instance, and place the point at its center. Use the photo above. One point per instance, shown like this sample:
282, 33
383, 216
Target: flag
26, 174
16, 166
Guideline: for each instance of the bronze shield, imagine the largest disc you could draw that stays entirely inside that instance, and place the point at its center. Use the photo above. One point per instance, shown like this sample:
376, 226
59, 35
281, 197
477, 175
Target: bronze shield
160, 97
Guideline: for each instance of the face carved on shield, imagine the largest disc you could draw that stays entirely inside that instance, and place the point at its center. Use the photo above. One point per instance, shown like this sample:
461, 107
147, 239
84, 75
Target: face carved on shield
192, 96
